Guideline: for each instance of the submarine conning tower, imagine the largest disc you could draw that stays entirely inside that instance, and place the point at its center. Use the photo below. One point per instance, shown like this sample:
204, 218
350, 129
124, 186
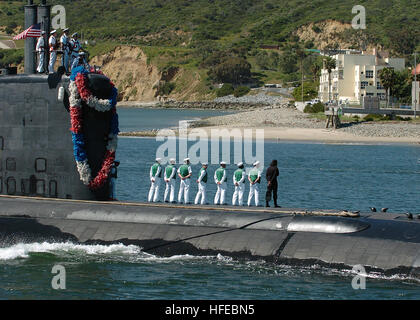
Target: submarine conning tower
35, 14
37, 155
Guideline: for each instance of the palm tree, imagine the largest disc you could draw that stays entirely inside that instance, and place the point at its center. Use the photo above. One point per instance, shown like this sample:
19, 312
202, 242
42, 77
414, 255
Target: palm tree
329, 64
315, 69
387, 77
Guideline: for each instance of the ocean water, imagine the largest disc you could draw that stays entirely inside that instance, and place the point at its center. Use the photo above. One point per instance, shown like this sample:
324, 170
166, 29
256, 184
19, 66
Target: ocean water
312, 175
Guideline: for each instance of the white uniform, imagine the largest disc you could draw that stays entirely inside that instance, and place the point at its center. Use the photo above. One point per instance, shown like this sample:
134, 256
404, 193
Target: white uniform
239, 189
76, 63
75, 48
254, 189
184, 187
221, 188
155, 181
65, 59
40, 48
170, 186
53, 53
202, 187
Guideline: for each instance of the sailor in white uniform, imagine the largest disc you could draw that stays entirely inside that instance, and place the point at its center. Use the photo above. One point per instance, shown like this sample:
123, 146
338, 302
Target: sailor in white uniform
254, 177
75, 47
184, 173
40, 48
65, 47
220, 180
155, 180
239, 183
202, 185
170, 179
52, 42
80, 61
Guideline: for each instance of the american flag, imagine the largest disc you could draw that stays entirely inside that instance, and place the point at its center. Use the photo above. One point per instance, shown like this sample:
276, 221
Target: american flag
33, 31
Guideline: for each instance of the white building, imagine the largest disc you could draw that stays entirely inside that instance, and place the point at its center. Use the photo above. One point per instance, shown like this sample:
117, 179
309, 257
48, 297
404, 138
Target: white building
357, 75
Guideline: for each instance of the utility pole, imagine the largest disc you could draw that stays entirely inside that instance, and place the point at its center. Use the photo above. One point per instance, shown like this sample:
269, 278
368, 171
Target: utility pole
415, 84
301, 69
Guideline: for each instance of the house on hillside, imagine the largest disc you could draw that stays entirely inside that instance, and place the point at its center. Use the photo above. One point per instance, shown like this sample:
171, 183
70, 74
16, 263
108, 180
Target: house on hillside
356, 76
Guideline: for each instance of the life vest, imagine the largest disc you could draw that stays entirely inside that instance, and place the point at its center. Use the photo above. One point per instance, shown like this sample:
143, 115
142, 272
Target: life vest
205, 175
219, 174
238, 175
253, 174
168, 172
155, 169
183, 170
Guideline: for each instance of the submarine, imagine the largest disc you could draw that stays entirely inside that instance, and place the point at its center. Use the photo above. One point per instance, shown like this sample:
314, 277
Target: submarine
57, 137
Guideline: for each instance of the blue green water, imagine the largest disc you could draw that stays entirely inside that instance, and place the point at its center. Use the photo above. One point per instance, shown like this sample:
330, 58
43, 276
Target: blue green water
352, 177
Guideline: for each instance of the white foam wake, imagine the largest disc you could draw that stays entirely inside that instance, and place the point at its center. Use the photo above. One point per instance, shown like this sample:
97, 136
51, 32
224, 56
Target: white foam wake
22, 250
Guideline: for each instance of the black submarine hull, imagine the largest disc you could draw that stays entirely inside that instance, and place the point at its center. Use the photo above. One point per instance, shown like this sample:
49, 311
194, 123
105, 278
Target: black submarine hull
385, 242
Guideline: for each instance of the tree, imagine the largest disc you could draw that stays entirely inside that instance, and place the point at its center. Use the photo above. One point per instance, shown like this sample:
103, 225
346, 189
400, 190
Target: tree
315, 70
233, 70
388, 79
329, 64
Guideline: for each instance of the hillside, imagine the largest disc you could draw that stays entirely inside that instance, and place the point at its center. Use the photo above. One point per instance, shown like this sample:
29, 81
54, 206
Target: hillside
184, 33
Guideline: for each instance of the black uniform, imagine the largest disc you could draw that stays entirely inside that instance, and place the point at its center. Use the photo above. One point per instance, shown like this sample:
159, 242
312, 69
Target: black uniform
272, 186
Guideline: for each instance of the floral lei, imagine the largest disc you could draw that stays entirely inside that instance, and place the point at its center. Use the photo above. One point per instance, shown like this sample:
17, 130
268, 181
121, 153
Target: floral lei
79, 92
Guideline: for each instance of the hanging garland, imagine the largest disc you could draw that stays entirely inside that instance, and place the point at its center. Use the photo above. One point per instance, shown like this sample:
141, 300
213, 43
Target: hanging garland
79, 92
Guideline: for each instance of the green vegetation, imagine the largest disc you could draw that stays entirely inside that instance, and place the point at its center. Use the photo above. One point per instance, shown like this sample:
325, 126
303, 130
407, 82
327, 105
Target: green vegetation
221, 40
225, 90
165, 89
310, 91
315, 108
10, 57
241, 91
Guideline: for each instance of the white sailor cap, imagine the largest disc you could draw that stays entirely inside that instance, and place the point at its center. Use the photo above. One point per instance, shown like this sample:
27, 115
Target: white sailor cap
256, 163
74, 34
42, 32
205, 164
82, 54
172, 161
54, 31
186, 160
240, 164
158, 160
222, 162
66, 29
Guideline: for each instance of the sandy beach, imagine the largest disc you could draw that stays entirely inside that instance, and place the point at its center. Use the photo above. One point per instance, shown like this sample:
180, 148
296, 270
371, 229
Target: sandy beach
285, 123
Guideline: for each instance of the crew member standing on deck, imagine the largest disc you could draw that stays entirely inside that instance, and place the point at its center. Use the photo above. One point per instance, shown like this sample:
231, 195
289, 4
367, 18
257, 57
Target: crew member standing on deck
155, 179
170, 179
40, 48
65, 47
81, 61
239, 183
271, 175
52, 42
202, 185
254, 177
75, 47
184, 173
220, 179
113, 174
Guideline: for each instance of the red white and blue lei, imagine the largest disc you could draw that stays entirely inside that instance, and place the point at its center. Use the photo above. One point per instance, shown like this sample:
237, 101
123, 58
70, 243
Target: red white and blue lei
79, 92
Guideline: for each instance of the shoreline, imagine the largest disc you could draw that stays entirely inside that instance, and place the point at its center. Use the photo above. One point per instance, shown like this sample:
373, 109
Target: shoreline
287, 135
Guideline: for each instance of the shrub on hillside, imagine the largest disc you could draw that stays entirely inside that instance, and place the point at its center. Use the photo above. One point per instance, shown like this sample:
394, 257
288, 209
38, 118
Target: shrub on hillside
225, 90
315, 108
241, 91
